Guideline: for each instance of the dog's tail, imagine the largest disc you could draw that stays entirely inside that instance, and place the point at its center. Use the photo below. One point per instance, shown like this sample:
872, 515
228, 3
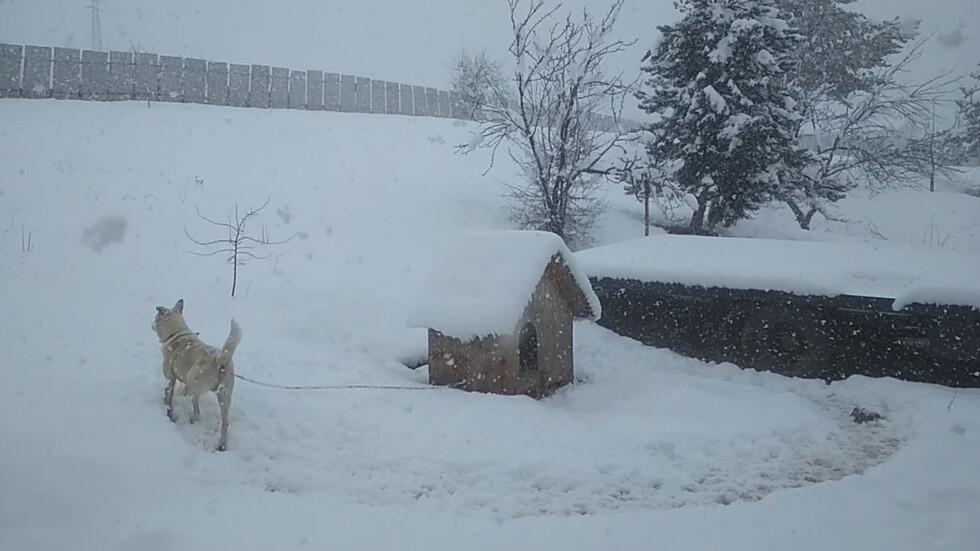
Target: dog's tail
231, 343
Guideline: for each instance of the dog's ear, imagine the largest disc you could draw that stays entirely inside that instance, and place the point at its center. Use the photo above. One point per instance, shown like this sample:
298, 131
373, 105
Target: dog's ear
179, 307
161, 310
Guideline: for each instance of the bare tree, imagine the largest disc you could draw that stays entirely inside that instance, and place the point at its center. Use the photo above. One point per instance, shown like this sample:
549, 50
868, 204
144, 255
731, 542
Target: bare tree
239, 246
475, 78
857, 139
554, 127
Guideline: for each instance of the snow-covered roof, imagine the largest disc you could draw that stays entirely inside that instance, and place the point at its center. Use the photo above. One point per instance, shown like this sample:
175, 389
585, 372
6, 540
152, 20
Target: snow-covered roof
485, 280
906, 274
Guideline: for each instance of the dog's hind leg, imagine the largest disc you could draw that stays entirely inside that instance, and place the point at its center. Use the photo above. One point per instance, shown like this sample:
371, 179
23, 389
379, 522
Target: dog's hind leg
196, 413
224, 403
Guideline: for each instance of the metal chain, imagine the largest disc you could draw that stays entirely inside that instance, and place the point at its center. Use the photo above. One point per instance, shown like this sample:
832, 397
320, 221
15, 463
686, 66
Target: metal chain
337, 387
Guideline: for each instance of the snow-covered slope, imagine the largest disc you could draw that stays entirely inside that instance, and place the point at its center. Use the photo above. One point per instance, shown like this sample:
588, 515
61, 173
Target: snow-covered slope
648, 449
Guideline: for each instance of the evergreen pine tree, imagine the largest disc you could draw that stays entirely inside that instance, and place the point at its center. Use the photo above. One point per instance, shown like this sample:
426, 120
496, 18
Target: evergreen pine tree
839, 49
723, 109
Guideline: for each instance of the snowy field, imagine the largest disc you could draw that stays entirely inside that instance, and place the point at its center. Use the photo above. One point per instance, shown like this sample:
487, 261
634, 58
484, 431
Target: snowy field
647, 450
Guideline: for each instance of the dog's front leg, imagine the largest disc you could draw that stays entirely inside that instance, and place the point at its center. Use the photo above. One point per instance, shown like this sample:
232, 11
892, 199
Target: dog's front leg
168, 398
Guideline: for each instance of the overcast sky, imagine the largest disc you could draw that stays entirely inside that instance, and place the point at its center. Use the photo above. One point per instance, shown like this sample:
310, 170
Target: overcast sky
404, 40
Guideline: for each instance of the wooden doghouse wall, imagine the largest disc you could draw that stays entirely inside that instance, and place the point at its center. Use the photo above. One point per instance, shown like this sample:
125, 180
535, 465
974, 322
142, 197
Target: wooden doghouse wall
471, 365
492, 364
551, 315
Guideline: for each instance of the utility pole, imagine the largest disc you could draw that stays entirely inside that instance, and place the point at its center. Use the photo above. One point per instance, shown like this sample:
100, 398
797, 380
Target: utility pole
96, 26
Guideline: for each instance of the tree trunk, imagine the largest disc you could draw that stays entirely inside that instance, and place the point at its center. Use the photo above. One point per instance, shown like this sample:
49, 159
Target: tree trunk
646, 210
802, 218
697, 219
714, 217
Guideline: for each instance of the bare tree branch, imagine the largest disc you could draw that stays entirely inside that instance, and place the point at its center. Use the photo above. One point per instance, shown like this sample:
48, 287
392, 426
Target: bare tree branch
550, 125
238, 245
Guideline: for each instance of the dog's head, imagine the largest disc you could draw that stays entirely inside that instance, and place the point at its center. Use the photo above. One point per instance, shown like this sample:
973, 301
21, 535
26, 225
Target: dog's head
169, 321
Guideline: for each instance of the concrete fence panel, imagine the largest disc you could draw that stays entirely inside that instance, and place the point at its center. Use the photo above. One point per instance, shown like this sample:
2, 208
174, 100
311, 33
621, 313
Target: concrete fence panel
66, 78
432, 102
42, 71
121, 75
36, 81
146, 75
11, 58
297, 89
279, 88
195, 81
378, 97
170, 75
456, 106
348, 101
607, 123
445, 106
331, 91
418, 99
238, 76
217, 83
406, 98
314, 90
95, 75
258, 93
362, 93
392, 91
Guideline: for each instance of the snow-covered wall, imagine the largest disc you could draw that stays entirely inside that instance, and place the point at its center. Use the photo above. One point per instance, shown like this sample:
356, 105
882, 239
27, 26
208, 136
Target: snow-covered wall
67, 73
43, 71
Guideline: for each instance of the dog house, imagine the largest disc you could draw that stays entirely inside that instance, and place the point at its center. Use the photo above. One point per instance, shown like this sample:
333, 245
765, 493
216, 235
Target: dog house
499, 308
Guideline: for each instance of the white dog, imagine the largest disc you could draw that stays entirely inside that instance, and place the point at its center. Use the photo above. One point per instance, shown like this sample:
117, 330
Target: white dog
201, 367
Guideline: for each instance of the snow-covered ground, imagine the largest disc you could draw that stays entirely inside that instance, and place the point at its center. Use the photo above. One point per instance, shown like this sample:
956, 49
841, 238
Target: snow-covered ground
647, 450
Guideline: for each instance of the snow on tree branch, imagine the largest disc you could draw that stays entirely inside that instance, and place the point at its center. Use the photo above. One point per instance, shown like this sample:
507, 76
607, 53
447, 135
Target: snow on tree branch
563, 120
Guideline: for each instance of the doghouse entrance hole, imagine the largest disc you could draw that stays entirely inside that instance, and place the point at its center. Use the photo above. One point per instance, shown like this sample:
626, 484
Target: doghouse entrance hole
528, 348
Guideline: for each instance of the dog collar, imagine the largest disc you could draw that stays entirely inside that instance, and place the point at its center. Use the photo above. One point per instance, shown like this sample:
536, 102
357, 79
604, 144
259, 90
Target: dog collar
169, 340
